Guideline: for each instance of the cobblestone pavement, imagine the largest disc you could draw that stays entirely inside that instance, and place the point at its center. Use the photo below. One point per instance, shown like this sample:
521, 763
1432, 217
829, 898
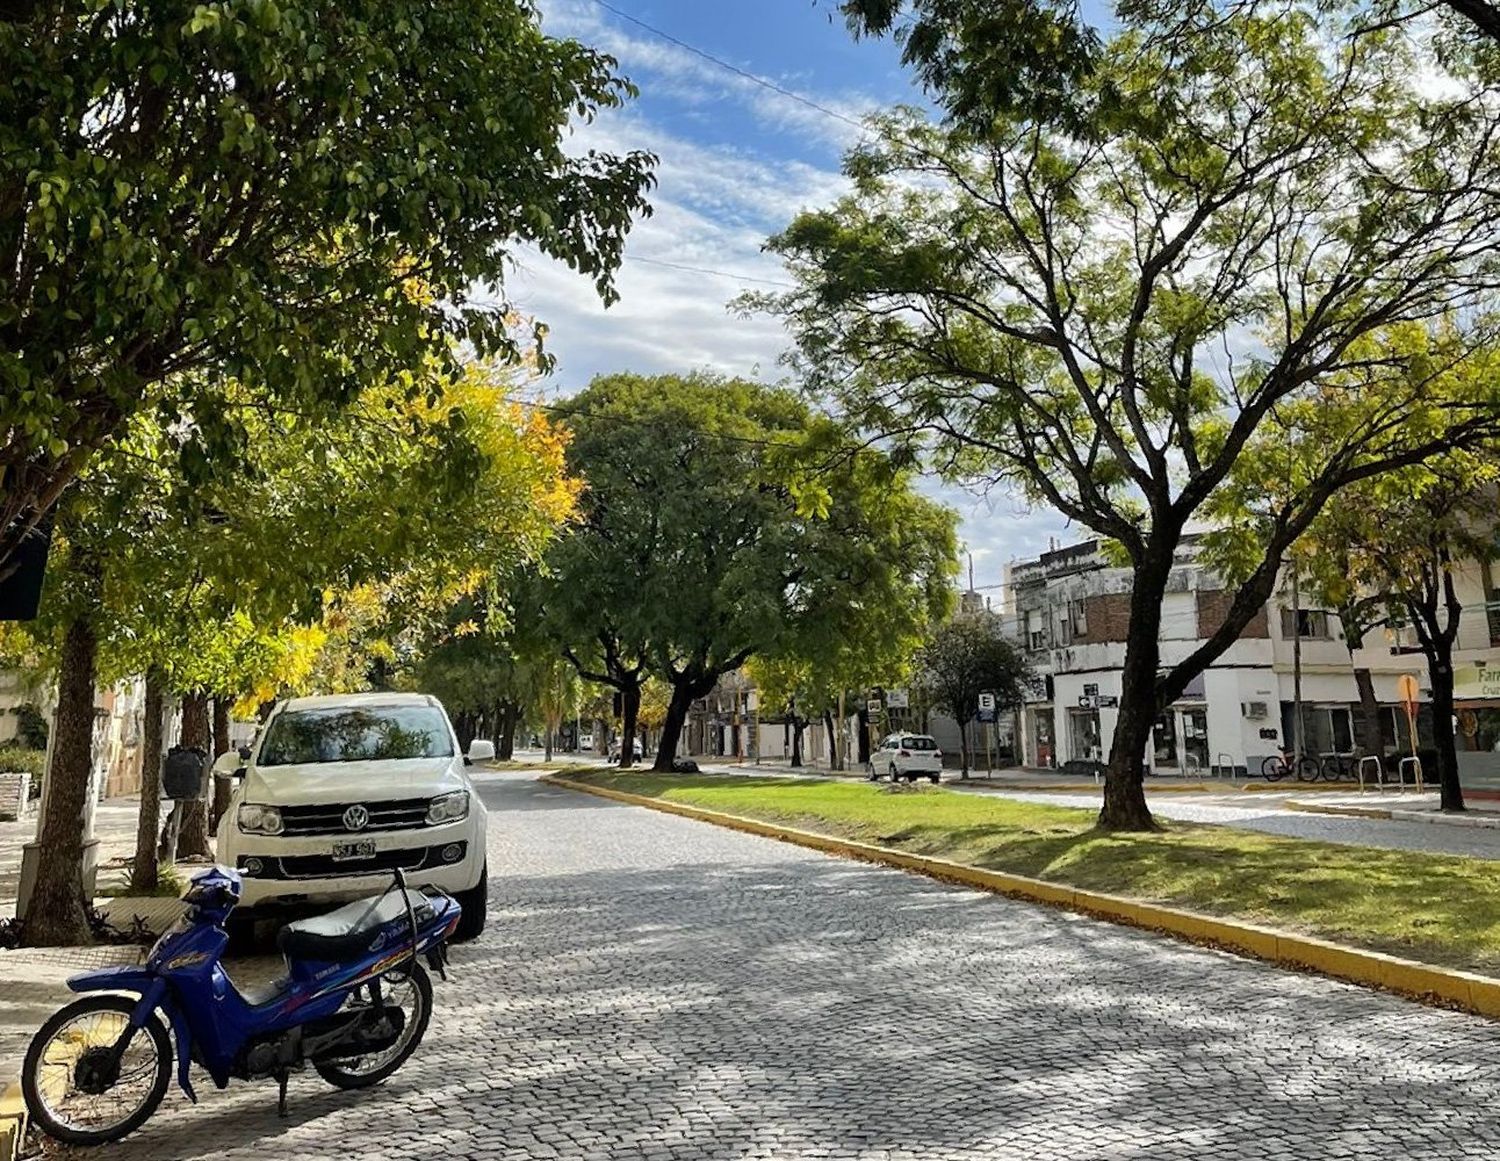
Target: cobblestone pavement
651, 987
1268, 813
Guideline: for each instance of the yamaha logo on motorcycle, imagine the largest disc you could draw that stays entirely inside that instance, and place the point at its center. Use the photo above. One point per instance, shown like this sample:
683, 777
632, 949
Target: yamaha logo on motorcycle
354, 1004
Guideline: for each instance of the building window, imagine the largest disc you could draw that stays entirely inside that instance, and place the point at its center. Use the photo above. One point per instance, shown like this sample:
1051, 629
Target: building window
1491, 601
1309, 624
1078, 618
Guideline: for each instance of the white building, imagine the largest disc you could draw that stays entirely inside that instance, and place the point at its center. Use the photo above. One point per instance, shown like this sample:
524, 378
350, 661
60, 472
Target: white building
1071, 608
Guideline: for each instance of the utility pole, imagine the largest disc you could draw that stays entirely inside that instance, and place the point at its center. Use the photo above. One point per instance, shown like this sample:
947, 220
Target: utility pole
1296, 672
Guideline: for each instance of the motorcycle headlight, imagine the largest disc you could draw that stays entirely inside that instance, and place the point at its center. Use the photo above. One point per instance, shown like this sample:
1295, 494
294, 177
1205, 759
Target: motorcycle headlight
448, 808
255, 819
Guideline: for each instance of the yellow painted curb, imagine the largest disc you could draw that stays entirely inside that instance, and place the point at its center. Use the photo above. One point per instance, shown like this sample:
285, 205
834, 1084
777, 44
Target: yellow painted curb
1427, 982
1345, 811
12, 1121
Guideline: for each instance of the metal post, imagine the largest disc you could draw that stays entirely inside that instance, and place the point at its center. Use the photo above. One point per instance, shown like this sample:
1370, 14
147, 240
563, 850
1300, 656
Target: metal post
1296, 673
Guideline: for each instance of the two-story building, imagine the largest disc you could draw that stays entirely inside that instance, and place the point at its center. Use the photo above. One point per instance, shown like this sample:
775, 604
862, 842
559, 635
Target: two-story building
1070, 608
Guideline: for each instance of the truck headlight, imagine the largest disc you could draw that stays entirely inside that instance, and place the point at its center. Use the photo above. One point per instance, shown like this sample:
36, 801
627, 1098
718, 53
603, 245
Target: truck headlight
448, 808
255, 819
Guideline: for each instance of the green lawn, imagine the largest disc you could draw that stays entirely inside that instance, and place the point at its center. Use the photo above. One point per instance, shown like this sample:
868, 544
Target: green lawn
1436, 908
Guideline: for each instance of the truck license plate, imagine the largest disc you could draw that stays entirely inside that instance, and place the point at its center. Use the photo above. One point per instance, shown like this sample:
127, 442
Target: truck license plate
359, 850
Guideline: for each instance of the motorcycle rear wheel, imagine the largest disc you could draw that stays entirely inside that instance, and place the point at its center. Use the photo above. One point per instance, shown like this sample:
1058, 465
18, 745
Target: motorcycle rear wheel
56, 1078
412, 988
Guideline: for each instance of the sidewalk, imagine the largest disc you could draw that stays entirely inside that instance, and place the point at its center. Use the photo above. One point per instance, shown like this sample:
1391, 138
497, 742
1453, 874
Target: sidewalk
1409, 806
114, 827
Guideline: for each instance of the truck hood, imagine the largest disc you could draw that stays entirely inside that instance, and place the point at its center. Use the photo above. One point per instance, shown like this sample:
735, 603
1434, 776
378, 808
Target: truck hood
319, 782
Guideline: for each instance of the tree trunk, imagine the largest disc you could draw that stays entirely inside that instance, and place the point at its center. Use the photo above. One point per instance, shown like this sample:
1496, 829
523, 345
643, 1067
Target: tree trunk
1440, 670
506, 746
864, 736
466, 727
55, 915
798, 725
683, 693
222, 706
1124, 806
143, 871
833, 741
1370, 741
963, 750
547, 745
193, 840
630, 713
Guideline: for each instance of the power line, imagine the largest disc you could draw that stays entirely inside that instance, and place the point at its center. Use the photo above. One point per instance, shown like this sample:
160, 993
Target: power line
705, 270
736, 70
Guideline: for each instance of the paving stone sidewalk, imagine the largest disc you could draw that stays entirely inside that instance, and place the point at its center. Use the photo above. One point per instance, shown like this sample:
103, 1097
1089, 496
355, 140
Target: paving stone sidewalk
652, 987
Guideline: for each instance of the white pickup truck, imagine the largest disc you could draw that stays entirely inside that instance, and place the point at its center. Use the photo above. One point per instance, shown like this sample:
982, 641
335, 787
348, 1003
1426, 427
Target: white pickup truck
338, 791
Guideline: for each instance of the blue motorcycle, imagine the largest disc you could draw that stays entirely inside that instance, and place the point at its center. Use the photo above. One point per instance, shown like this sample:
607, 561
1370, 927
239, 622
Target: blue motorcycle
354, 1003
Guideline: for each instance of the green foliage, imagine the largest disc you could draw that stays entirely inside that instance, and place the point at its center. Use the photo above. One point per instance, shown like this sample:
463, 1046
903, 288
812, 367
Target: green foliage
301, 200
31, 726
722, 519
169, 884
970, 655
1105, 316
17, 755
329, 537
982, 59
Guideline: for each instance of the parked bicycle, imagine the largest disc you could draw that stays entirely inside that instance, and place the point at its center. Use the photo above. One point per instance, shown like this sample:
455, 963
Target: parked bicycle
1310, 767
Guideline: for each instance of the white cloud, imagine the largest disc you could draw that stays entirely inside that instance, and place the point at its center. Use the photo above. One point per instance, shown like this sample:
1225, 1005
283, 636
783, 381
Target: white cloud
714, 206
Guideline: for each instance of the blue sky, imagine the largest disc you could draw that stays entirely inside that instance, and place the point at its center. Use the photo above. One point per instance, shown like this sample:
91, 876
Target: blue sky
736, 162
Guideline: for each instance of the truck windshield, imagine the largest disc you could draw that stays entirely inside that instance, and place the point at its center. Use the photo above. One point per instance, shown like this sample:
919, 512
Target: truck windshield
369, 733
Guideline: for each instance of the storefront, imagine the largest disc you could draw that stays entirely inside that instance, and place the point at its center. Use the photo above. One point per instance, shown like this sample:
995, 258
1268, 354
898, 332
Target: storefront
1041, 737
1476, 698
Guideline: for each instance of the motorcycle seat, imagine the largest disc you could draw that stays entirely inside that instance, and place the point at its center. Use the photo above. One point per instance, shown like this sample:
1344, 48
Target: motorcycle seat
348, 933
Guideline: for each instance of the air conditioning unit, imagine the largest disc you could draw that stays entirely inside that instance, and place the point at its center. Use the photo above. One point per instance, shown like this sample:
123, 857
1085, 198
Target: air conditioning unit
1255, 710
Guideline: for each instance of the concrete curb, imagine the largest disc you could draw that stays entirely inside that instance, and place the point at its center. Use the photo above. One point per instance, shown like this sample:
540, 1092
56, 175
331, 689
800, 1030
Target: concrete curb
1394, 812
1455, 989
12, 1121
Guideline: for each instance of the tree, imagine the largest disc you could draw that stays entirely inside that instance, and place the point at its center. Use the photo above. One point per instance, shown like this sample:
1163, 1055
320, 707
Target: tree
980, 58
1402, 537
158, 572
306, 200
968, 656
1104, 319
722, 519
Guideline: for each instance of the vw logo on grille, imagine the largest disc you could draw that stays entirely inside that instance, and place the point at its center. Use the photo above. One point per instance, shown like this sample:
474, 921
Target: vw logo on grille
356, 818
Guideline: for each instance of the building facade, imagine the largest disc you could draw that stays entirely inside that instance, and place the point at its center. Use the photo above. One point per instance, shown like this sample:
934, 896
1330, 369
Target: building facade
1070, 608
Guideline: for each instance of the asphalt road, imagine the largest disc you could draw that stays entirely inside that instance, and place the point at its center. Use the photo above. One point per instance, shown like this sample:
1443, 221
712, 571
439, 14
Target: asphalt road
659, 988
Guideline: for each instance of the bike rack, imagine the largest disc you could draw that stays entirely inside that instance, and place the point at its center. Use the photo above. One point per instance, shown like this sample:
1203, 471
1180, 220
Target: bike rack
1227, 767
1379, 772
1416, 764
1191, 760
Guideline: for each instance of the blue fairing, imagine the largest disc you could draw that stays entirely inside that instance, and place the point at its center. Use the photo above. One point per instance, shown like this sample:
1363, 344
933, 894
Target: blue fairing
211, 1021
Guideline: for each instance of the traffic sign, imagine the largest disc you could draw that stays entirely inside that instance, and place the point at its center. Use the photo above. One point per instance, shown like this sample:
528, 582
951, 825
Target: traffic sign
874, 707
897, 699
1406, 690
987, 715
987, 701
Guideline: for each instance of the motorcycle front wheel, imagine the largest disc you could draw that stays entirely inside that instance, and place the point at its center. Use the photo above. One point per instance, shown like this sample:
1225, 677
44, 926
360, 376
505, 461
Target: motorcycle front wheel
76, 1090
410, 989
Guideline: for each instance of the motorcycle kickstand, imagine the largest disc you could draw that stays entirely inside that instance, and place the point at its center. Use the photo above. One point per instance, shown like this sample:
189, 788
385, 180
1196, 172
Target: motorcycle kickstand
281, 1079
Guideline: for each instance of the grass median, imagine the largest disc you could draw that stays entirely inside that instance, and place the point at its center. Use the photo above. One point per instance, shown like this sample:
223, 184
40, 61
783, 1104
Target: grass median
1437, 908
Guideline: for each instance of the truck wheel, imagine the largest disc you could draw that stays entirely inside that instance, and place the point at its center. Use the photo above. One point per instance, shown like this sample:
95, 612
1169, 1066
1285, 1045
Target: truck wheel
475, 902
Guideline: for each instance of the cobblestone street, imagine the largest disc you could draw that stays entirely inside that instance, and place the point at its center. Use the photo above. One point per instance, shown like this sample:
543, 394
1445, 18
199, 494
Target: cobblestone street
655, 987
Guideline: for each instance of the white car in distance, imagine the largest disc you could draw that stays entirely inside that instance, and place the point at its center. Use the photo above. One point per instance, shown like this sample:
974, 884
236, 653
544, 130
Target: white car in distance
907, 756
339, 791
